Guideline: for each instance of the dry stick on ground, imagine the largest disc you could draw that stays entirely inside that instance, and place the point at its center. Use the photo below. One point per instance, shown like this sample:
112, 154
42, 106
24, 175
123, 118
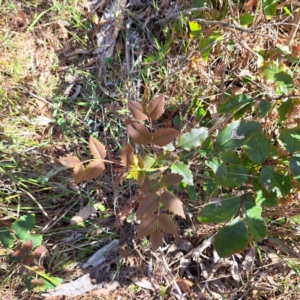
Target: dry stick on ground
294, 29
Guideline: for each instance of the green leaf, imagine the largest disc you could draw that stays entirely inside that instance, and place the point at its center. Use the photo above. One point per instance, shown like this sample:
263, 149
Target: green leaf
183, 170
220, 211
6, 237
232, 238
258, 148
36, 239
295, 167
198, 3
234, 103
275, 181
290, 139
206, 43
195, 29
218, 168
192, 139
206, 147
235, 135
192, 192
210, 187
148, 160
237, 175
255, 223
230, 157
246, 19
264, 107
268, 71
269, 7
286, 108
263, 197
23, 226
284, 82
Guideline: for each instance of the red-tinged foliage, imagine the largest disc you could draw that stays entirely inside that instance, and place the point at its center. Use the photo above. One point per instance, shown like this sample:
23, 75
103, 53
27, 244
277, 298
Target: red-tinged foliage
149, 205
172, 203
28, 245
156, 107
163, 137
147, 226
166, 224
139, 133
28, 259
40, 251
93, 170
156, 239
170, 179
138, 110
127, 155
97, 148
78, 173
70, 161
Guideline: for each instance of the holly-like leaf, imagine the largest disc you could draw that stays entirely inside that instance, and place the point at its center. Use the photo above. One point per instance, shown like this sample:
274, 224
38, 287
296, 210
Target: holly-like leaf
170, 179
166, 224
272, 180
235, 135
127, 155
78, 173
232, 238
183, 170
23, 226
295, 167
148, 205
234, 103
220, 211
6, 237
255, 223
290, 139
147, 226
97, 148
139, 133
237, 175
164, 136
156, 107
258, 148
138, 110
156, 238
93, 170
172, 203
69, 161
218, 168
192, 139
150, 186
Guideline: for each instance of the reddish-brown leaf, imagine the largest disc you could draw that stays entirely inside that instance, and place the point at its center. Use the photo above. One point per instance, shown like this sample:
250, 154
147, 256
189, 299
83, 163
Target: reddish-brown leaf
150, 186
250, 4
163, 137
141, 177
149, 205
170, 179
120, 176
166, 224
35, 282
185, 285
39, 251
78, 173
156, 107
97, 148
94, 169
19, 253
156, 238
69, 161
127, 155
147, 226
138, 110
28, 259
28, 245
172, 203
139, 133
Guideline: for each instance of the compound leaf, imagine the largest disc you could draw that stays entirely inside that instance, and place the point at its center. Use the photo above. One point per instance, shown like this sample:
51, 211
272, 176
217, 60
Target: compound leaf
148, 205
69, 161
156, 238
93, 170
137, 109
170, 179
232, 238
156, 107
78, 173
138, 133
127, 154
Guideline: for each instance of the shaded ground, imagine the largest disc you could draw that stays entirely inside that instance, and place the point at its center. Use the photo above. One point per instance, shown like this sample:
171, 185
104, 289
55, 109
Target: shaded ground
57, 89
